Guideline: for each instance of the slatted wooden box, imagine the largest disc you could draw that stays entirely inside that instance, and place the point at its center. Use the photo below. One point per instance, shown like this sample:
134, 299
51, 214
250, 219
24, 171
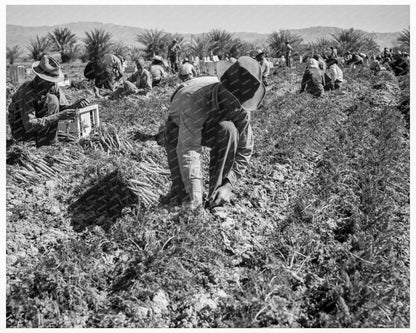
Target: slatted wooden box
86, 120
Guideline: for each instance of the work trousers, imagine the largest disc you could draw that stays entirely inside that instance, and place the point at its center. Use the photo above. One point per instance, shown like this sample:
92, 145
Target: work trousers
221, 137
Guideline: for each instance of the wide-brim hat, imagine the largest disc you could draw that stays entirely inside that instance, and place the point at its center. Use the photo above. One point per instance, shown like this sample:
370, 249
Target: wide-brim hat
331, 61
259, 52
243, 79
48, 69
313, 63
140, 62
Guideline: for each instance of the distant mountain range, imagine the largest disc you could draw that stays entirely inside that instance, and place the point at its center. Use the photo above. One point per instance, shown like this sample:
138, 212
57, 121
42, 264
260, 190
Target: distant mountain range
16, 34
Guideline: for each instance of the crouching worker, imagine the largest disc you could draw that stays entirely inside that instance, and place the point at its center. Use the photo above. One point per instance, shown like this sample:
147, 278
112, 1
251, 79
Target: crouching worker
187, 71
38, 105
107, 71
313, 79
139, 83
214, 113
333, 75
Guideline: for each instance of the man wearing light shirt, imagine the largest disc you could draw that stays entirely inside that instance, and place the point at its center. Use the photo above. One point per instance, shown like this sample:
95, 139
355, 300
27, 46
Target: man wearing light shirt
265, 66
214, 113
334, 74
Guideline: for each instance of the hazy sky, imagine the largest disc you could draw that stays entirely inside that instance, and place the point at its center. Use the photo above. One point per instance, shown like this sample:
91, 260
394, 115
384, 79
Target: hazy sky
193, 19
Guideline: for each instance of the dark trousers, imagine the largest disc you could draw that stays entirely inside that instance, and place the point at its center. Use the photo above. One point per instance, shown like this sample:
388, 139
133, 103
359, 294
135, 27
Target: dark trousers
155, 83
173, 64
221, 137
288, 61
42, 137
104, 78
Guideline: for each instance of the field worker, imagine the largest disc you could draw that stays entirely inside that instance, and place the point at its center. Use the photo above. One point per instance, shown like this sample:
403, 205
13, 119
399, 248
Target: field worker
376, 66
196, 64
321, 61
139, 83
38, 105
157, 70
334, 53
334, 75
264, 65
313, 80
386, 54
173, 51
110, 69
215, 113
399, 64
288, 54
366, 59
187, 71
355, 62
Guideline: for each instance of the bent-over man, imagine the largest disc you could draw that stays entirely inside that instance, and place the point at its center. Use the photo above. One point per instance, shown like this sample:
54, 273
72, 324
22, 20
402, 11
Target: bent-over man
214, 113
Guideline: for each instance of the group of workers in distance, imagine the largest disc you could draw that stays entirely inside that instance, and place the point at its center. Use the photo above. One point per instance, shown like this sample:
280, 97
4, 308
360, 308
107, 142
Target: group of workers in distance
211, 111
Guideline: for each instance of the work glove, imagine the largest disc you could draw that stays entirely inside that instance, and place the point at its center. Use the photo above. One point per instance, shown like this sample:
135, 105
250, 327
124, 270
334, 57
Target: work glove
221, 195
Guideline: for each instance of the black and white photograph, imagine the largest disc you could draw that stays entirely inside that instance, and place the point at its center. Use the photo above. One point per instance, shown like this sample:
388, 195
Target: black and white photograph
206, 165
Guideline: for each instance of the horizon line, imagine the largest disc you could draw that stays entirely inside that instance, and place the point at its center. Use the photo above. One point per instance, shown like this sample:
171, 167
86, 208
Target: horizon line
195, 33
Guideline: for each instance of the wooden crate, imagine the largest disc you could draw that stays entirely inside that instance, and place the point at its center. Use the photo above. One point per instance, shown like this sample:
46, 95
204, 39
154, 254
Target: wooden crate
86, 120
17, 74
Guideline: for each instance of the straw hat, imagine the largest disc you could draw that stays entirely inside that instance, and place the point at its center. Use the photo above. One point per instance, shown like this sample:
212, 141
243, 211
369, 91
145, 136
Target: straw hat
243, 79
48, 69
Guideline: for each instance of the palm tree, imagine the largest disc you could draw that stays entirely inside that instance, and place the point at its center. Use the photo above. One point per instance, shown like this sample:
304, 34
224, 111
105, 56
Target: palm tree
348, 40
155, 41
247, 49
199, 46
13, 53
276, 41
219, 41
369, 45
135, 53
120, 49
62, 39
404, 40
38, 46
97, 43
235, 47
355, 41
179, 39
73, 52
320, 46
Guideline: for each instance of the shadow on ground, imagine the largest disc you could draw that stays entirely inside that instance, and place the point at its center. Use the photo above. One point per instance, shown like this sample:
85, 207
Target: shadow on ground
102, 204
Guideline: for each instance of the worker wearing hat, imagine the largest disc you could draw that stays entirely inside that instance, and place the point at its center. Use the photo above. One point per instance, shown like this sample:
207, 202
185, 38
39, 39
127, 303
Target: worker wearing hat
173, 51
187, 70
212, 112
108, 69
157, 70
139, 83
265, 66
38, 105
288, 54
313, 79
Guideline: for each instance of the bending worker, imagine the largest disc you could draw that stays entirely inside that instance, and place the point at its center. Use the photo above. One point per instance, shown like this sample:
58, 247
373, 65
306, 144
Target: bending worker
214, 113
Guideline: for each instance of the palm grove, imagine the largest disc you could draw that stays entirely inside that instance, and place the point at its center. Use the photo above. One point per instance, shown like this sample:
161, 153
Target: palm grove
98, 42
